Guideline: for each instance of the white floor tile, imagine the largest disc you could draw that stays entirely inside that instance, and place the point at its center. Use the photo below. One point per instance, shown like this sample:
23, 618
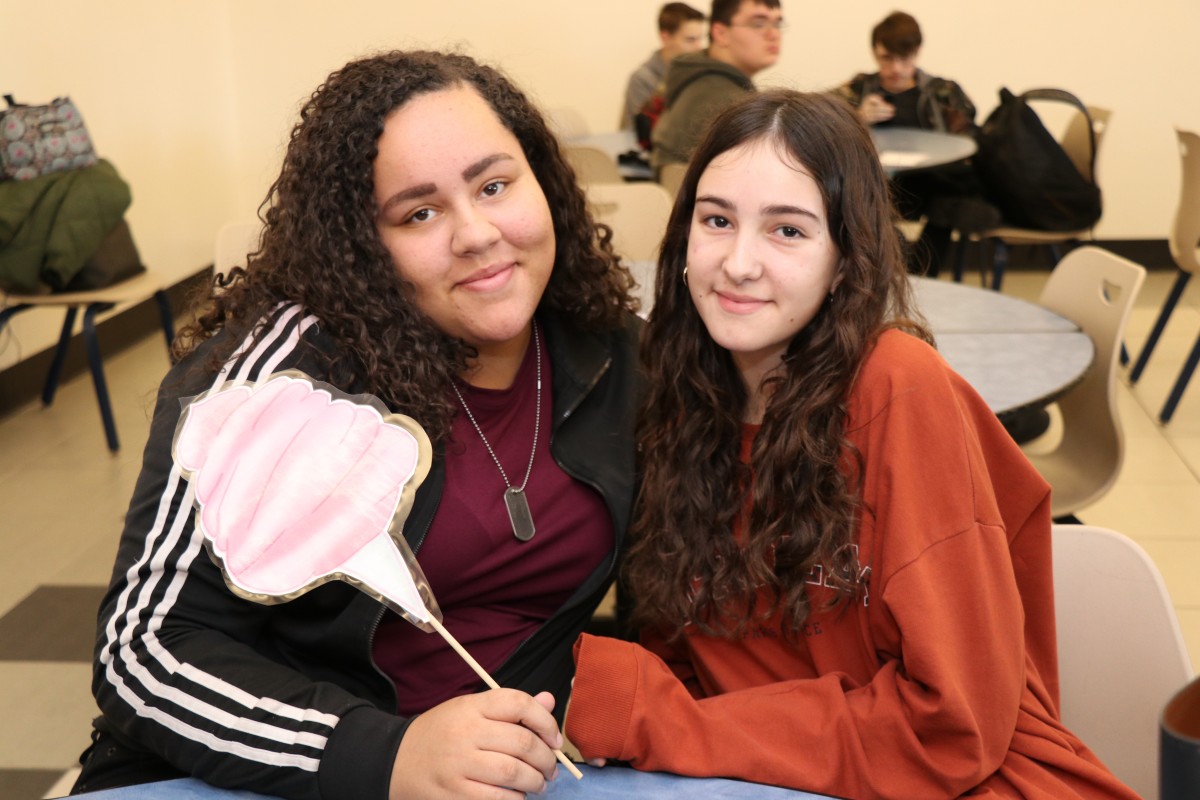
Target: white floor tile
1188, 448
1144, 512
1152, 460
48, 709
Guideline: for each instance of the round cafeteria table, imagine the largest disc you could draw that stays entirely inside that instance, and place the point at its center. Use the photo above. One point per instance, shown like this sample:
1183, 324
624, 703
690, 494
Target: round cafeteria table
909, 149
610, 783
900, 149
1018, 355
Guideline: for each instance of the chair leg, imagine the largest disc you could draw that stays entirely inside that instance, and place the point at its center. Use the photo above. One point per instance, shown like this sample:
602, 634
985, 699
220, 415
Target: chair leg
960, 256
999, 263
1181, 383
97, 365
168, 319
1160, 324
50, 387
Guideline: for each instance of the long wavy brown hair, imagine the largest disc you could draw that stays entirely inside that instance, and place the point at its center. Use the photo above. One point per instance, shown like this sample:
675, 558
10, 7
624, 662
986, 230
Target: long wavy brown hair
320, 248
685, 566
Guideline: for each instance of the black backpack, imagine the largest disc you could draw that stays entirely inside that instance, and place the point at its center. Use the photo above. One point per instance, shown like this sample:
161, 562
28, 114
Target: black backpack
1027, 174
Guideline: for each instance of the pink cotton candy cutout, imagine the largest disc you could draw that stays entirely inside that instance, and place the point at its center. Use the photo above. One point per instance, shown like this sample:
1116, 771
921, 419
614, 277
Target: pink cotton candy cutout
296, 486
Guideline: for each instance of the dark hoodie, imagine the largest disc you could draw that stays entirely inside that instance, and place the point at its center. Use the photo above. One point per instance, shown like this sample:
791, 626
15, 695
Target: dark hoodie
696, 88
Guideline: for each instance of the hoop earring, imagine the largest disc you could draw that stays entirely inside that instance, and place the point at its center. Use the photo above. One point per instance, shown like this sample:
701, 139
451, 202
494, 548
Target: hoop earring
685, 283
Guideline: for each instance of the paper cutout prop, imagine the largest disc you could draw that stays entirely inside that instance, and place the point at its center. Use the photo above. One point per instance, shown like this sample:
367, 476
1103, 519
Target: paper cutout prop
297, 484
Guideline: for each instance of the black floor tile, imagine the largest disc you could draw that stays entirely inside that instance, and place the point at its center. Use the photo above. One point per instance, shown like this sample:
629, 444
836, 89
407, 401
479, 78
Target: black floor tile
26, 784
54, 623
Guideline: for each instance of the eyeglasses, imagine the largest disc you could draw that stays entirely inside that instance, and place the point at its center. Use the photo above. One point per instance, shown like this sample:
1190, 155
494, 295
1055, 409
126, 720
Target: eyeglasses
761, 25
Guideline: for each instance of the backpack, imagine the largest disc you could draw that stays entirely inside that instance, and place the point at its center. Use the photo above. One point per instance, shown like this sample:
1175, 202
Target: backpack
656, 105
647, 117
1025, 171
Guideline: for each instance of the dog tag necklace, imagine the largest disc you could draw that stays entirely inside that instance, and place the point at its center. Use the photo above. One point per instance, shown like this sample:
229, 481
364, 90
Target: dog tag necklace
514, 496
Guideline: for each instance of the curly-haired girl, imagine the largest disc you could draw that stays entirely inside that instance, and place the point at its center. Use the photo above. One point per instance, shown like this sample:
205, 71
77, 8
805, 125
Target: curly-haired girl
425, 242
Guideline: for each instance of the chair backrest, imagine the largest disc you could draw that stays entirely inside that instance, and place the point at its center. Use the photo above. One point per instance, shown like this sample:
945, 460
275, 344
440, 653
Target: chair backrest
1075, 139
637, 213
1185, 236
1096, 290
592, 165
1121, 654
234, 241
566, 123
671, 177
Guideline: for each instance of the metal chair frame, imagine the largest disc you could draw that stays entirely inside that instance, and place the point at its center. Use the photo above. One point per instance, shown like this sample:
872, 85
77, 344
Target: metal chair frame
1185, 237
136, 289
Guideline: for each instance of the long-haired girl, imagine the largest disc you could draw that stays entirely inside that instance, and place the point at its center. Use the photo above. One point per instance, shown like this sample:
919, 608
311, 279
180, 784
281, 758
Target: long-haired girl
841, 563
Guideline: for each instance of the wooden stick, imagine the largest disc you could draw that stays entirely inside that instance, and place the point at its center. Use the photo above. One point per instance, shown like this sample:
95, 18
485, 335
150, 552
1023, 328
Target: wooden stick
482, 673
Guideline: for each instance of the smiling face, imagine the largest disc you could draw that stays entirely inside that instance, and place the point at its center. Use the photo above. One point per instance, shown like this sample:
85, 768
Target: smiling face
760, 258
464, 218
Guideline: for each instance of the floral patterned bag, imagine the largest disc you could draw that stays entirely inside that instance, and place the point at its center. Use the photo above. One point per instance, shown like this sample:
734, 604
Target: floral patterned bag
38, 140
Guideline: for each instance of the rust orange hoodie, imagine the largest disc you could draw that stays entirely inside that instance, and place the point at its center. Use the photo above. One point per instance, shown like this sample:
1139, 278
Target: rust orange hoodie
940, 682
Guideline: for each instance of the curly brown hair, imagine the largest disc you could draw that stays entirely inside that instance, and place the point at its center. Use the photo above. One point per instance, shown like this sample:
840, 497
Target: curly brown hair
685, 566
320, 248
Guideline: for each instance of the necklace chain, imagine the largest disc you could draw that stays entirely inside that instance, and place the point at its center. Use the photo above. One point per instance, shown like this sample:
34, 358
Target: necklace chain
537, 420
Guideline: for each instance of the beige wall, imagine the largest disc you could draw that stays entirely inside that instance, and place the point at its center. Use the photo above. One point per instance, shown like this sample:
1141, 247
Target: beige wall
192, 99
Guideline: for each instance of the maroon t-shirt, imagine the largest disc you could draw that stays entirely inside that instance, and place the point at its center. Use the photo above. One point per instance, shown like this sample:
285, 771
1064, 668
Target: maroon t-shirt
494, 591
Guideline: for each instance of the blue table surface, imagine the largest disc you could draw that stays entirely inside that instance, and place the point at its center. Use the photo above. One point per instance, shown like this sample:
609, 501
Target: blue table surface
611, 782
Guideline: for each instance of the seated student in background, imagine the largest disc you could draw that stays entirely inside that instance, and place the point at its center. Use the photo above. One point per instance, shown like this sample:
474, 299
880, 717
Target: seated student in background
681, 29
840, 561
745, 37
425, 242
903, 95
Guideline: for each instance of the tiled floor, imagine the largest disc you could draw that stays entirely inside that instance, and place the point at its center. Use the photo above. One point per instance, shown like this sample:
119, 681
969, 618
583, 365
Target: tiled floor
62, 498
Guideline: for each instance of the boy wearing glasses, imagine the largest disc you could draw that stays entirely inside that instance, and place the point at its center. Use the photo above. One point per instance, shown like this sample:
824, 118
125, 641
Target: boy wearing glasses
900, 93
745, 37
